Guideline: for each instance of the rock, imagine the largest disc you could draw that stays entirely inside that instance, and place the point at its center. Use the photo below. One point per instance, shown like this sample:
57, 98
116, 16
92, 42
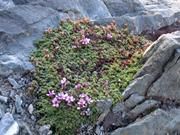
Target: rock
99, 130
18, 103
45, 130
2, 110
143, 108
5, 4
143, 16
159, 53
24, 129
13, 83
103, 105
121, 7
119, 107
139, 86
30, 108
8, 126
10, 64
155, 123
133, 100
93, 9
3, 99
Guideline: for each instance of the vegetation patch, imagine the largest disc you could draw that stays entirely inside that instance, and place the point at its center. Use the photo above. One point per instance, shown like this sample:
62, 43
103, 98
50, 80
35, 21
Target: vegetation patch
79, 63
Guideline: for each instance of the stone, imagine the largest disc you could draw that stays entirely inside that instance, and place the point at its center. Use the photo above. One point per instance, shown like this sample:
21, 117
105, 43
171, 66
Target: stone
2, 110
99, 130
3, 99
138, 86
133, 100
93, 9
5, 4
44, 130
158, 122
121, 7
8, 126
30, 108
144, 108
13, 83
142, 16
18, 103
167, 86
103, 105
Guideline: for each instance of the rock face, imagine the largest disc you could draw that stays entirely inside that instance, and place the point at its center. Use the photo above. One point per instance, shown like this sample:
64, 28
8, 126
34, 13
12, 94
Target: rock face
154, 109
23, 21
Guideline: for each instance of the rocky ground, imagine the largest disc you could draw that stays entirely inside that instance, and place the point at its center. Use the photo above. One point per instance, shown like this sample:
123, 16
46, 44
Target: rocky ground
151, 101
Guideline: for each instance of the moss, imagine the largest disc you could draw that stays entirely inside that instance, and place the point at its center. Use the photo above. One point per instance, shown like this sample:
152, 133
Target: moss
108, 64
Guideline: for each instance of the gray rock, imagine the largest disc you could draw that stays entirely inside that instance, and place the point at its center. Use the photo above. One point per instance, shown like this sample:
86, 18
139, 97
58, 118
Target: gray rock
45, 130
11, 63
30, 108
133, 100
99, 130
8, 126
93, 9
155, 123
18, 103
2, 110
13, 83
3, 99
139, 85
144, 108
5, 4
119, 107
143, 16
121, 7
103, 105
167, 86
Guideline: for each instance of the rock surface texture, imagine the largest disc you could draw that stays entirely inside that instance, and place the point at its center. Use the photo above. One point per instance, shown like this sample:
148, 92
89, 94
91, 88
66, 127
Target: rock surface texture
151, 101
153, 107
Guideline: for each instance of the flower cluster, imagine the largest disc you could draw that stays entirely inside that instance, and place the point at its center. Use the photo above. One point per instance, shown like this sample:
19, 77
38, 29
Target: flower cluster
84, 101
81, 102
109, 36
85, 41
81, 85
60, 97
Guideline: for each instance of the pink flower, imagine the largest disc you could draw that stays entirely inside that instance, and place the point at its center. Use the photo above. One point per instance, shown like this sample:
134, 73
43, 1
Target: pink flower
70, 99
85, 41
81, 104
63, 81
78, 86
51, 93
109, 36
55, 102
88, 100
82, 95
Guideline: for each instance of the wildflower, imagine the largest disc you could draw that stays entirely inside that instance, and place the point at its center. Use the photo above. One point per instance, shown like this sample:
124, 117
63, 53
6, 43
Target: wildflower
69, 99
109, 36
63, 81
51, 93
81, 104
78, 86
85, 41
55, 102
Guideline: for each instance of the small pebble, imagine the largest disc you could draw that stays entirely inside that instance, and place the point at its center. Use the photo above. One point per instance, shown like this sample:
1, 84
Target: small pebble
3, 99
30, 108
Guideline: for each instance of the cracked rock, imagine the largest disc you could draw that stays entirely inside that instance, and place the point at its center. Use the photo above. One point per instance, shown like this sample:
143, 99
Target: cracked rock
8, 126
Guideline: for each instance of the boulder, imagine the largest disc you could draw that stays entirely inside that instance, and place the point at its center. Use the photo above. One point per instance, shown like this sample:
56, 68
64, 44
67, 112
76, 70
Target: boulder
153, 124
